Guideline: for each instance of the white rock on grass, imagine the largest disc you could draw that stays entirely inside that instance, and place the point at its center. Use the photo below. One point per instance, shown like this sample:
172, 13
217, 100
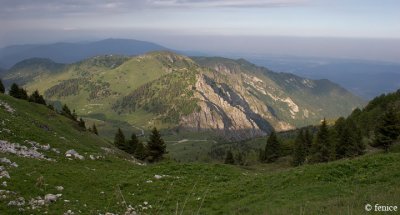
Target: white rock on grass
48, 198
69, 212
20, 150
6, 107
4, 174
4, 184
20, 201
73, 153
59, 188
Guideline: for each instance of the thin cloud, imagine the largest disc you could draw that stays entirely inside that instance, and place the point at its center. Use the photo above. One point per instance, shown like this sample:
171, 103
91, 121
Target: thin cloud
65, 7
225, 3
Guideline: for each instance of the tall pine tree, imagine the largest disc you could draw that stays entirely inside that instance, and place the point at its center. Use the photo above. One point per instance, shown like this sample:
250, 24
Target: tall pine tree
2, 89
300, 149
156, 147
272, 148
132, 144
323, 148
119, 140
229, 158
140, 152
388, 129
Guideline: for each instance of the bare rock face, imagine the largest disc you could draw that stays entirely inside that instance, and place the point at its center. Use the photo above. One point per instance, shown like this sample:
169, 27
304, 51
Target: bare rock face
224, 110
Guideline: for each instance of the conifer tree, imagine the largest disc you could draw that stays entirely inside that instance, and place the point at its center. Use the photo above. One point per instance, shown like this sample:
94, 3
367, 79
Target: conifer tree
119, 140
37, 98
82, 123
23, 94
132, 144
14, 91
18, 92
272, 148
2, 89
156, 147
300, 149
94, 129
140, 152
308, 138
388, 129
349, 143
66, 111
323, 148
229, 158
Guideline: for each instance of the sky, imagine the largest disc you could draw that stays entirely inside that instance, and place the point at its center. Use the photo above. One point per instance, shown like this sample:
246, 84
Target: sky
362, 29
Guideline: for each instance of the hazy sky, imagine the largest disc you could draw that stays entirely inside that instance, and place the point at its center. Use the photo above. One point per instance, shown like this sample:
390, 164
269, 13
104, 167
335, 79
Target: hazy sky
368, 29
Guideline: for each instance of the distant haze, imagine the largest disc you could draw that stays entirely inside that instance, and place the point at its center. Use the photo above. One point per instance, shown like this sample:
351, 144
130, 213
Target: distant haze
361, 29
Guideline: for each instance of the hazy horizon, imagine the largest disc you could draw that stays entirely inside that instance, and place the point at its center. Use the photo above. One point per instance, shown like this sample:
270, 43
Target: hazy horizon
354, 29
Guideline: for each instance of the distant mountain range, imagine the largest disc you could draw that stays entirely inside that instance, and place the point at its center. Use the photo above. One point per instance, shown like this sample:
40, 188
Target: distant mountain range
233, 98
73, 52
363, 78
366, 79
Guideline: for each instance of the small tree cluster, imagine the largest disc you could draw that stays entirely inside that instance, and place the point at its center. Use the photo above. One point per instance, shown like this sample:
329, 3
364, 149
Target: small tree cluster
37, 98
153, 151
302, 147
2, 89
232, 159
93, 129
17, 92
65, 111
344, 139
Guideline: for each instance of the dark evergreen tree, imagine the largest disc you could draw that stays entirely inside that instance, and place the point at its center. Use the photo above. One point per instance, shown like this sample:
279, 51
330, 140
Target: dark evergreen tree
23, 94
272, 148
119, 140
14, 91
229, 158
74, 115
349, 143
66, 111
132, 144
2, 89
94, 129
18, 92
82, 123
323, 148
308, 138
140, 152
300, 149
388, 129
156, 147
37, 98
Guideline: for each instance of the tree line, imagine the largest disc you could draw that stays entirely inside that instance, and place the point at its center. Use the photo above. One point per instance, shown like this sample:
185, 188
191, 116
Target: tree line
153, 151
20, 93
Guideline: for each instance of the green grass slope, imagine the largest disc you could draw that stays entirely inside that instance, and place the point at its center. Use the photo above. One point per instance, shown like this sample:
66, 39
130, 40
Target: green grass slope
114, 182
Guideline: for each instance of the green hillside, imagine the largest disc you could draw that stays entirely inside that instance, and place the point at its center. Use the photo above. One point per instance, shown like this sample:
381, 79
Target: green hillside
113, 182
231, 98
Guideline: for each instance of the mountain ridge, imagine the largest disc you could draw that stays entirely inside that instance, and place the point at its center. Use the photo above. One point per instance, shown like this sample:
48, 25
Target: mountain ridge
64, 52
231, 97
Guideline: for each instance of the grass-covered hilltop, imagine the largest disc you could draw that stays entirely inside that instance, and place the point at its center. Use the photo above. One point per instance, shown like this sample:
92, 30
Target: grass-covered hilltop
52, 164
